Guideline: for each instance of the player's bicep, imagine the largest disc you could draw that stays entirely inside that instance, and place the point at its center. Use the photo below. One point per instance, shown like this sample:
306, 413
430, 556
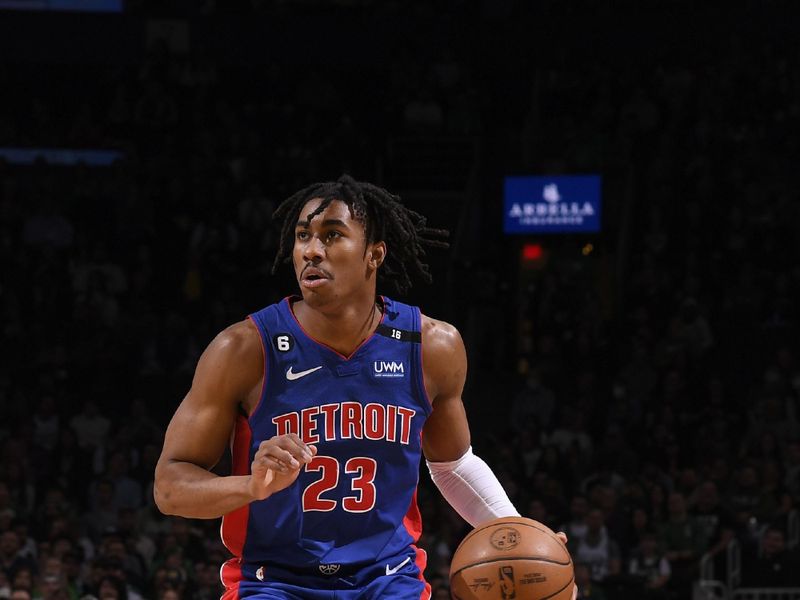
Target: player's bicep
202, 424
199, 430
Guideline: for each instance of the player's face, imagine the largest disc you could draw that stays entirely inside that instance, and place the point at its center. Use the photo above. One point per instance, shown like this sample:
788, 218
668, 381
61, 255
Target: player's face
332, 260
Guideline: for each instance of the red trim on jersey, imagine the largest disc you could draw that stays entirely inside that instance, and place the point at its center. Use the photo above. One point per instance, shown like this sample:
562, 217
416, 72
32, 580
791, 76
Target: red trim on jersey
234, 525
266, 361
288, 300
231, 575
413, 524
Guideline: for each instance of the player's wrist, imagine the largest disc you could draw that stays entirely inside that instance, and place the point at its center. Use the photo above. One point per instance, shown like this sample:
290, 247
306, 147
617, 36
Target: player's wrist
254, 489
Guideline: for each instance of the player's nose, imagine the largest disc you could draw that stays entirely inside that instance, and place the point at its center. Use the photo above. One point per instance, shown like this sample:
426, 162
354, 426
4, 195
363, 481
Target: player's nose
314, 249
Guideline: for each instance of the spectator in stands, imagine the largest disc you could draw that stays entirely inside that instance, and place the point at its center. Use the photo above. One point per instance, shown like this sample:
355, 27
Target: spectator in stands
70, 466
587, 588
533, 405
11, 562
73, 566
53, 586
131, 568
46, 424
24, 579
102, 515
639, 525
571, 431
775, 566
137, 542
537, 510
110, 588
90, 426
682, 539
596, 548
650, 568
207, 585
715, 524
127, 491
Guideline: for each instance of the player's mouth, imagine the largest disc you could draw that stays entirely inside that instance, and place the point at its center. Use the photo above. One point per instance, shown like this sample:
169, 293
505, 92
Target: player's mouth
314, 277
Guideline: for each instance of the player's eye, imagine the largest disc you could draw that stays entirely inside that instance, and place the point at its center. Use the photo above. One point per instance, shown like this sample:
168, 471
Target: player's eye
331, 235
301, 235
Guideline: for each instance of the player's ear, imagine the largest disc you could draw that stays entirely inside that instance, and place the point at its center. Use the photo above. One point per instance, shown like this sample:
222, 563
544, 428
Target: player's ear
376, 254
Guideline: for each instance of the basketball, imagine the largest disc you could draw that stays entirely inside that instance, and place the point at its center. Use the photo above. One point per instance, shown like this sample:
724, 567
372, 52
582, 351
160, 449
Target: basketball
511, 557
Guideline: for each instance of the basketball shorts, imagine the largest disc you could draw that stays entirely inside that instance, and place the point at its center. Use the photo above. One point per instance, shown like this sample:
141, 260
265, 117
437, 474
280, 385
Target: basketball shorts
398, 578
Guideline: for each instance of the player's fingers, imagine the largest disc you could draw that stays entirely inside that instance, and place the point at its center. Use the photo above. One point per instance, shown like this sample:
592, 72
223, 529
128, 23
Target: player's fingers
279, 446
262, 463
282, 456
299, 446
271, 463
563, 537
289, 442
575, 592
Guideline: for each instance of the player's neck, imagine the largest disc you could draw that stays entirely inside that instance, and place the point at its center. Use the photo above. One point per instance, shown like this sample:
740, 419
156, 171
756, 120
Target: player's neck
343, 327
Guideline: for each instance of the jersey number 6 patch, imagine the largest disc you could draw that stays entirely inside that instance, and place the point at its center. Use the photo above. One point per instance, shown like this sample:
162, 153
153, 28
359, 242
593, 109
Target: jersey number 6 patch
363, 470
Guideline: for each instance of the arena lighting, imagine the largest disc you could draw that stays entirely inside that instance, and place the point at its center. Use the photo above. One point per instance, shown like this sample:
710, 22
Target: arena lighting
60, 156
532, 252
96, 6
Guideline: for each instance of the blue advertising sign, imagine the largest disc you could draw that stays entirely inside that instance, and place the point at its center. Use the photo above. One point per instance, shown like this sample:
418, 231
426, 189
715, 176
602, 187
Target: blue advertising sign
557, 204
112, 6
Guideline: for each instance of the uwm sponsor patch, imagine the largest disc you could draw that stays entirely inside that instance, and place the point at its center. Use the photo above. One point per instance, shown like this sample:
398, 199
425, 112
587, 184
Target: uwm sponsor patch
385, 368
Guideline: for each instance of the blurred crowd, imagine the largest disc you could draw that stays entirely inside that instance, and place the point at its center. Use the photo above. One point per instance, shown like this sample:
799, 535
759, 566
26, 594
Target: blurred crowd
654, 423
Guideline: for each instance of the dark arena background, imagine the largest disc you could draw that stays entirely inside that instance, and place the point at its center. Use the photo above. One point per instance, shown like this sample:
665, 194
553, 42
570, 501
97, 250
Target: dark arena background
620, 179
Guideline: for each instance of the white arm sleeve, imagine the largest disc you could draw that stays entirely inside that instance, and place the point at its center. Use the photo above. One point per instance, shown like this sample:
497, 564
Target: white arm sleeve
471, 488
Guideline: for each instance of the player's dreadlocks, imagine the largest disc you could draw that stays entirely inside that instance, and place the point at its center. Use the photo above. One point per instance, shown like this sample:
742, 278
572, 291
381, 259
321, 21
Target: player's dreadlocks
384, 218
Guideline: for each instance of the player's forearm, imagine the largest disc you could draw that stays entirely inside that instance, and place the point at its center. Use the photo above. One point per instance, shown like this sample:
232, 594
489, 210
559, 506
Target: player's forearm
187, 490
471, 488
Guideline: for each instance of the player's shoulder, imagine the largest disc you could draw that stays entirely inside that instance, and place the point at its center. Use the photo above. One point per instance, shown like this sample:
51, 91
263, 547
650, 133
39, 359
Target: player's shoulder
236, 342
444, 359
232, 364
440, 338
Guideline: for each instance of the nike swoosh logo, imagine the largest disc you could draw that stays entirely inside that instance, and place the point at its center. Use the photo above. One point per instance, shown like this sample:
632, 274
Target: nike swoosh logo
292, 376
393, 570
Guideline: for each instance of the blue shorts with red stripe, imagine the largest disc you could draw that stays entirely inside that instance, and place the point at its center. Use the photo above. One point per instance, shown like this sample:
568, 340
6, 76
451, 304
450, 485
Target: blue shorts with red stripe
398, 578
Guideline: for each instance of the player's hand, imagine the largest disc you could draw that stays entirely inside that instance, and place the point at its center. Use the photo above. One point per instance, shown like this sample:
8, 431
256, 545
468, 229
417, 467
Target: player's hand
563, 537
277, 464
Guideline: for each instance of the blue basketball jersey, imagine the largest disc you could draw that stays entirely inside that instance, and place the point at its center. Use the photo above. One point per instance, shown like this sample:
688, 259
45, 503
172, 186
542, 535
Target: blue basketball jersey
355, 503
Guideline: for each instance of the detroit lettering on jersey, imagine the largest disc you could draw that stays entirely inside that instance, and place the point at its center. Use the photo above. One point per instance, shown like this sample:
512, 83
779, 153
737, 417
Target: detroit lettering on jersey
355, 502
348, 420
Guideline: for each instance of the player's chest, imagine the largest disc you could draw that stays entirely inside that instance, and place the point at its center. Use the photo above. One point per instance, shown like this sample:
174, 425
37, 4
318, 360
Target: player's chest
374, 396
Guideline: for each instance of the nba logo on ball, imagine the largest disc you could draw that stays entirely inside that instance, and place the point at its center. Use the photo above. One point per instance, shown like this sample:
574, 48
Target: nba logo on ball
507, 583
504, 538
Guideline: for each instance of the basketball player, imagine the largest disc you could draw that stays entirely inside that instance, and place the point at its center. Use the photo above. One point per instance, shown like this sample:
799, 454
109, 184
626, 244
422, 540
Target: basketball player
329, 401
